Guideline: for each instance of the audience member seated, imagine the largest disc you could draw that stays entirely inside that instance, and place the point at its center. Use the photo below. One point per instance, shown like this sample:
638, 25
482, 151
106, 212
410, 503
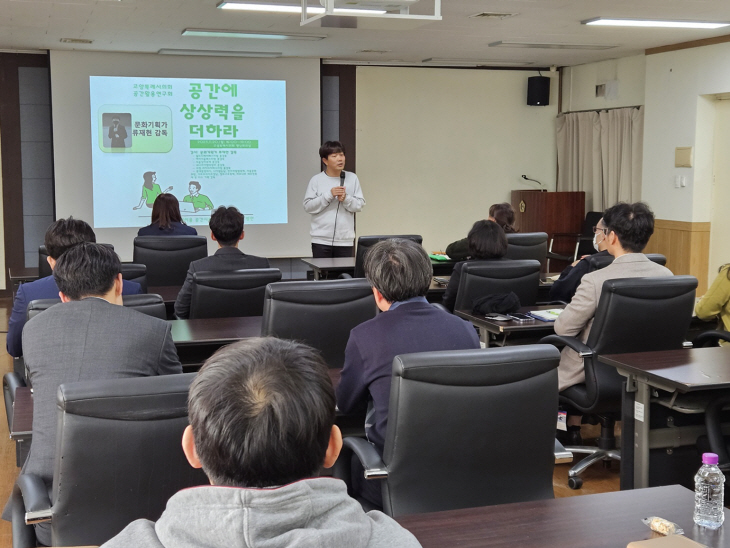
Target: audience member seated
627, 229
226, 228
262, 417
715, 303
565, 287
60, 236
400, 273
166, 219
486, 240
90, 335
502, 214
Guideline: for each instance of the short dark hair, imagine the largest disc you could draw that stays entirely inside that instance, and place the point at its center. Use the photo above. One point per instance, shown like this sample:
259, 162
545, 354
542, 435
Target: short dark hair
399, 268
66, 233
196, 183
504, 215
226, 224
87, 270
166, 210
262, 412
330, 147
633, 224
486, 240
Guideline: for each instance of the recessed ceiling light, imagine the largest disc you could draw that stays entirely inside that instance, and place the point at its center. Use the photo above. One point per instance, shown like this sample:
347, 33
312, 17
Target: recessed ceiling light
290, 8
538, 45
251, 34
473, 63
220, 53
76, 41
492, 15
604, 21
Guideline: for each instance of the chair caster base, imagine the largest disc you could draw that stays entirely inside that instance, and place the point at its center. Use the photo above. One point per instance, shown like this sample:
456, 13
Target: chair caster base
575, 482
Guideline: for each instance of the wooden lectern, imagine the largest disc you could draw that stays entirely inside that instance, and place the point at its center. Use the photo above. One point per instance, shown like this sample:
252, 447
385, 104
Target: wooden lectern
560, 214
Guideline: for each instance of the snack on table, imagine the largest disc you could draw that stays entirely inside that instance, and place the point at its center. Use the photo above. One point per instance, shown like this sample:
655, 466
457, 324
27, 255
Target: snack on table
663, 526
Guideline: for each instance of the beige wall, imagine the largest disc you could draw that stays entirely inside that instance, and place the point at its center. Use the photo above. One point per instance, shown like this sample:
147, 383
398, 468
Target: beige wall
720, 203
437, 147
2, 227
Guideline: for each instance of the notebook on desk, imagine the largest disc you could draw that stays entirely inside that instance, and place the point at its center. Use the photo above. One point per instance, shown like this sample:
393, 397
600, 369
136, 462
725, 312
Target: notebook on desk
671, 541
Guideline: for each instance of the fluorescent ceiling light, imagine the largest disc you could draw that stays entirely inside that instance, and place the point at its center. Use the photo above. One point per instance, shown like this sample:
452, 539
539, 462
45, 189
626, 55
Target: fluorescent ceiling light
220, 53
470, 63
537, 45
251, 35
289, 8
603, 21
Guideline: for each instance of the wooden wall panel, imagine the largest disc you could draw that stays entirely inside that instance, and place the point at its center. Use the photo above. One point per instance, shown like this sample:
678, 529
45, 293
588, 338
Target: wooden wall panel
686, 246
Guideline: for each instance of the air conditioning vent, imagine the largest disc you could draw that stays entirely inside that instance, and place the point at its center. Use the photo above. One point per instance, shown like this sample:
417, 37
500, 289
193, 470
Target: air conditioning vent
492, 15
76, 41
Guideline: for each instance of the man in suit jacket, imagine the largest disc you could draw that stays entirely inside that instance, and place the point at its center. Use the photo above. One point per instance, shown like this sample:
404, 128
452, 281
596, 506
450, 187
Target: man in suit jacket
400, 273
628, 228
226, 227
88, 336
60, 236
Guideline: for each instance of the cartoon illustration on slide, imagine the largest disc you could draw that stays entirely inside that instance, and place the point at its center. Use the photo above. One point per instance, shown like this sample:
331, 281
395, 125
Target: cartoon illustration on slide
114, 130
199, 201
150, 190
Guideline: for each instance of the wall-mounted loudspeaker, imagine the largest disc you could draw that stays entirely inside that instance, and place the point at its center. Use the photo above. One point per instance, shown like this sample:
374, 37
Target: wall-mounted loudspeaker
538, 91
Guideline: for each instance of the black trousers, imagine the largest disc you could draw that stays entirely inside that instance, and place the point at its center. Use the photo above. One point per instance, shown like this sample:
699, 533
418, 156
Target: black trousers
320, 251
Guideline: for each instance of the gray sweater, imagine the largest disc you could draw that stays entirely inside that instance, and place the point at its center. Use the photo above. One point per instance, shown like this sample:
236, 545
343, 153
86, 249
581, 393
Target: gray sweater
314, 512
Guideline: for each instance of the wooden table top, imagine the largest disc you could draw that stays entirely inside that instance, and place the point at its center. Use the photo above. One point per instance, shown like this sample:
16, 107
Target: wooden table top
167, 292
685, 369
330, 263
214, 330
24, 274
596, 521
511, 326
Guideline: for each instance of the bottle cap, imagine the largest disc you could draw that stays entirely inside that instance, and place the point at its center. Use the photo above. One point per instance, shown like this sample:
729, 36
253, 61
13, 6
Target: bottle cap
709, 458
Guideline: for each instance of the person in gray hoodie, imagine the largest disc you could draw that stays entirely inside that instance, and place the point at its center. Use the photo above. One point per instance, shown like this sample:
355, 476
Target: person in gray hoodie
262, 417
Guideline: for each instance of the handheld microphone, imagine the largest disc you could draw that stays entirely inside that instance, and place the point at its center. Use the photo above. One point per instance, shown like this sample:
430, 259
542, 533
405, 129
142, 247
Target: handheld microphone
542, 186
342, 178
342, 183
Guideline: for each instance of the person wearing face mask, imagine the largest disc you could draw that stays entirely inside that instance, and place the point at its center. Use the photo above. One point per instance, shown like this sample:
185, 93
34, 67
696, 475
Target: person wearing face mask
564, 287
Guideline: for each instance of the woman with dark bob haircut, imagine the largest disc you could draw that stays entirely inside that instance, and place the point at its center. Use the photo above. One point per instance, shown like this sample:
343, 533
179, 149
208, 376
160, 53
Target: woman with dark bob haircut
502, 214
166, 219
486, 241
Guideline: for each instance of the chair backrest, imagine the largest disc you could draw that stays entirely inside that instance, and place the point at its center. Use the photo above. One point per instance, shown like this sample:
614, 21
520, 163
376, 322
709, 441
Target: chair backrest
366, 242
633, 315
320, 313
147, 303
527, 245
118, 455
150, 304
44, 269
480, 278
135, 273
602, 261
231, 294
452, 422
168, 257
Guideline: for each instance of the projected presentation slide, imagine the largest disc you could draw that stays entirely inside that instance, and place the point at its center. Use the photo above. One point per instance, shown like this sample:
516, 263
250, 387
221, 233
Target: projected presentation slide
206, 142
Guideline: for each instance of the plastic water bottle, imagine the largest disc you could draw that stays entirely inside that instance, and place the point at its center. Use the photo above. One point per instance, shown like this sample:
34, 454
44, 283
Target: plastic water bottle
709, 493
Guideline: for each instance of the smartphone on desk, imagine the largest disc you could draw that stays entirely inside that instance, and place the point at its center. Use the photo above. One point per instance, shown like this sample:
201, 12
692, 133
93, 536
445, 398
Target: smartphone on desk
522, 318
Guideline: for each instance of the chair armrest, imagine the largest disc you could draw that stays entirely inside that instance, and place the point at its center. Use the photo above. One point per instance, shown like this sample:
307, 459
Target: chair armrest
344, 276
35, 498
582, 349
557, 257
709, 337
368, 457
11, 382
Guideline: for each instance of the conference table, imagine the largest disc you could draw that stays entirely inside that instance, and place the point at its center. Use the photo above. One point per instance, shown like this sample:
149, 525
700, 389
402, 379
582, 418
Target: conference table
324, 267
196, 340
606, 520
496, 333
677, 375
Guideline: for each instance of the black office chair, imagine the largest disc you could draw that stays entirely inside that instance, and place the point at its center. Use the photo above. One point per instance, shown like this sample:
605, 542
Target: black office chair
633, 315
527, 245
168, 257
583, 240
231, 294
451, 440
135, 273
366, 242
319, 313
480, 278
598, 262
710, 338
146, 303
118, 458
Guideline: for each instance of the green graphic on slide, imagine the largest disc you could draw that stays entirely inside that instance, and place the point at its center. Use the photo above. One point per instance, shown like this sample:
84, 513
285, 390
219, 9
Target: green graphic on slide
227, 143
144, 128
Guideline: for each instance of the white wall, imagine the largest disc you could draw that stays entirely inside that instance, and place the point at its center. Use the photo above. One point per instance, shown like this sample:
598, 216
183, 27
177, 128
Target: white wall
2, 230
720, 228
437, 147
677, 115
579, 84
